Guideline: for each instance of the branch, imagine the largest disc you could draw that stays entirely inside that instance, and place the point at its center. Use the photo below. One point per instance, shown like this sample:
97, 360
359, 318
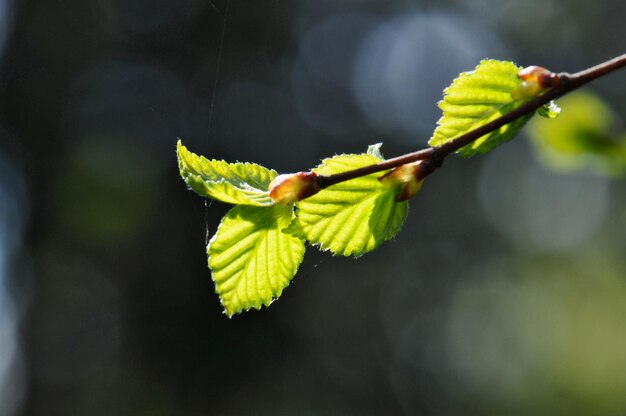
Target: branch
434, 156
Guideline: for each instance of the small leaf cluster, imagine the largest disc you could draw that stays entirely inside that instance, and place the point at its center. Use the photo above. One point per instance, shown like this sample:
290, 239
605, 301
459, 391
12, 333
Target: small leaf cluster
259, 244
261, 241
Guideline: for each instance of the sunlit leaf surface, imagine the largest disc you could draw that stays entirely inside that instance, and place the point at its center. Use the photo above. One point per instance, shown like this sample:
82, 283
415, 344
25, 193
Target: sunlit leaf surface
233, 183
353, 217
251, 259
476, 98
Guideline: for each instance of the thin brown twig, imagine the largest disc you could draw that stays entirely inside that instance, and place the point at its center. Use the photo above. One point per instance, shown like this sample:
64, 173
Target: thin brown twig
436, 155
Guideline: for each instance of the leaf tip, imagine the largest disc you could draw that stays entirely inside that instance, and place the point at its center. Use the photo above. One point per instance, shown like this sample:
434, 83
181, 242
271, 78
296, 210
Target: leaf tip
374, 150
180, 147
550, 110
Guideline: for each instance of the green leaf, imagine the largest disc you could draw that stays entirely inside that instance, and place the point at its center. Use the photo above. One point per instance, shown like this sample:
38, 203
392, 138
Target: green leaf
584, 137
353, 217
550, 110
233, 183
476, 98
251, 259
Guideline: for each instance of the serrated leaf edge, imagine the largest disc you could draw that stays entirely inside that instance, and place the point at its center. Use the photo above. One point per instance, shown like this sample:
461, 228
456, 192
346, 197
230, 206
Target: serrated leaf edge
296, 228
244, 187
274, 296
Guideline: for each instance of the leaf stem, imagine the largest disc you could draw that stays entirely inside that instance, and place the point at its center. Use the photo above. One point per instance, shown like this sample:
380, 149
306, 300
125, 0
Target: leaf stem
436, 155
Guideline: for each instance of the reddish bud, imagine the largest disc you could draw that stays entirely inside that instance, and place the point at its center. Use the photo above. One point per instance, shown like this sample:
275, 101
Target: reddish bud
408, 178
285, 189
540, 75
535, 80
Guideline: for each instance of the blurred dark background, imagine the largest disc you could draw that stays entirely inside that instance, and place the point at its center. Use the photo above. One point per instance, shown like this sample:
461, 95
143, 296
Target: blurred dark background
504, 294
